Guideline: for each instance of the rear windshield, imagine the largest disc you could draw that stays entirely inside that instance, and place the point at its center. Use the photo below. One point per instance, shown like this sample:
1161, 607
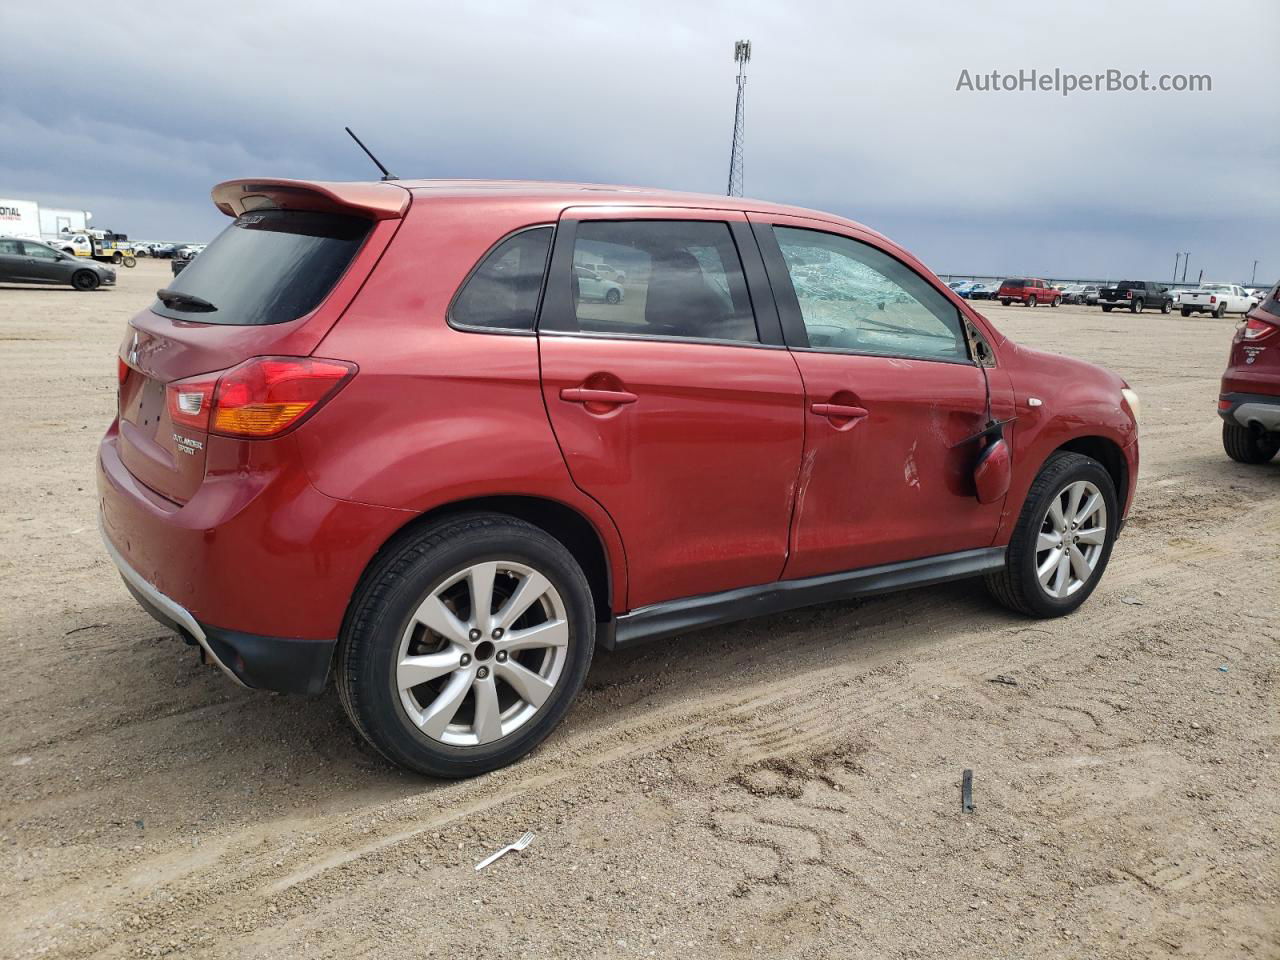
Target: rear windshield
269, 266
1015, 283
1130, 283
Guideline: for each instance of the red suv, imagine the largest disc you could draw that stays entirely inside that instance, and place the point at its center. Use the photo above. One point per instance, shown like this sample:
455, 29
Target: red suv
1250, 399
1030, 291
382, 432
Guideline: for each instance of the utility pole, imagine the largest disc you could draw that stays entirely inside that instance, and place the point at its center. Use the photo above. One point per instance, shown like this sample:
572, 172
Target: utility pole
1186, 259
1253, 278
1176, 258
741, 54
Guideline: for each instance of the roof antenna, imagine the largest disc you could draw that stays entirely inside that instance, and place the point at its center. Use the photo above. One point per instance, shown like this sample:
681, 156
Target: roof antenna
386, 174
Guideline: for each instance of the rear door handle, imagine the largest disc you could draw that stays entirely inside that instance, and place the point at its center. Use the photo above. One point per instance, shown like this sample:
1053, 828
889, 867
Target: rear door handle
587, 395
839, 411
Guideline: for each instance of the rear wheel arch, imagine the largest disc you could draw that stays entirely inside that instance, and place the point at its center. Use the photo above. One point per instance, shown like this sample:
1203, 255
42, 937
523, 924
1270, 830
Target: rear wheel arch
573, 530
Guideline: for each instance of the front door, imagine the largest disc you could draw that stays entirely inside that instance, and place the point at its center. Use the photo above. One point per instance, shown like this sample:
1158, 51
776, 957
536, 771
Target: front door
676, 404
44, 264
891, 397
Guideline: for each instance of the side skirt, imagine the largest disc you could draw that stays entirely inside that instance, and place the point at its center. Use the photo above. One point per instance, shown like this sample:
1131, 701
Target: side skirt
667, 619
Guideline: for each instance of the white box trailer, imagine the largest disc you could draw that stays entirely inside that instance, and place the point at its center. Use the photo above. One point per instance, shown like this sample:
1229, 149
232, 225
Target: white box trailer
19, 218
57, 223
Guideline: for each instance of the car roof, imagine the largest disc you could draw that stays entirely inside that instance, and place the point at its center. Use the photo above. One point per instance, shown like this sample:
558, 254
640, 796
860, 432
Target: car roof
385, 199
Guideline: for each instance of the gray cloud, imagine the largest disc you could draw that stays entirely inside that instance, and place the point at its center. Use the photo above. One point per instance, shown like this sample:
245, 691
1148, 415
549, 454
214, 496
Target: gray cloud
849, 109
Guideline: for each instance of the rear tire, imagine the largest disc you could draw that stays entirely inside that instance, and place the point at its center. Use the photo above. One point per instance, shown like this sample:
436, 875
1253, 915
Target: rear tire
85, 280
1004, 302
1137, 306
451, 723
1246, 445
1018, 585
1107, 308
1221, 311
1186, 312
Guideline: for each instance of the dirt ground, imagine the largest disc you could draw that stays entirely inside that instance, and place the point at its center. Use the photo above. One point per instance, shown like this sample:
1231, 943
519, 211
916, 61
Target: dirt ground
787, 787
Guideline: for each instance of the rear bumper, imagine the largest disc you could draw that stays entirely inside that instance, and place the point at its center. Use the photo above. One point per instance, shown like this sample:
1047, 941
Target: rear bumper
269, 663
1251, 409
257, 568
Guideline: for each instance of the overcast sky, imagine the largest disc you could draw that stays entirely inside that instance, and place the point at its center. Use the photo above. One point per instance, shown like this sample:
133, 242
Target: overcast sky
135, 110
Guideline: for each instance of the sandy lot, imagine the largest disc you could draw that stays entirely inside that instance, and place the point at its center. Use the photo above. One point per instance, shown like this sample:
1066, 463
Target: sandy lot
783, 788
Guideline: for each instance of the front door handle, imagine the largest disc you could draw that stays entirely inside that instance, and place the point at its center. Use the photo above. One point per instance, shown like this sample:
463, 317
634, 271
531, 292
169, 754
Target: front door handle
587, 395
839, 411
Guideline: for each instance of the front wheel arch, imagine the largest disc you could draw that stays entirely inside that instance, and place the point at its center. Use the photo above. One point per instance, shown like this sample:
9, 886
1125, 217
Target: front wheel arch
1108, 453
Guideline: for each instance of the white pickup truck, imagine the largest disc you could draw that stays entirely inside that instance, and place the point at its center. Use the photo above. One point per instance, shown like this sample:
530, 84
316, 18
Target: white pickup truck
1216, 298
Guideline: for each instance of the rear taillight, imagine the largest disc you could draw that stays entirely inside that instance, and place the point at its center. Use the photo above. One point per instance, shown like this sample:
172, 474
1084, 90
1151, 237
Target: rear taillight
1213, 299
260, 398
1255, 329
122, 370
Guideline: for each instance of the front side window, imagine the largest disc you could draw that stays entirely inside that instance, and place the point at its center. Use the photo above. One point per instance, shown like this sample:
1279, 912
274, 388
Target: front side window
502, 293
855, 297
659, 278
39, 251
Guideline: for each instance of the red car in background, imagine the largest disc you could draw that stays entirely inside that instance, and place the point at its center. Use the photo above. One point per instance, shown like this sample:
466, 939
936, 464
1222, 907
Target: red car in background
1029, 291
1249, 402
378, 432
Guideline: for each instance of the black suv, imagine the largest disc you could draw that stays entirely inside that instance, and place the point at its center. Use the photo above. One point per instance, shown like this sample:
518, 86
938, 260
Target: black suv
1137, 295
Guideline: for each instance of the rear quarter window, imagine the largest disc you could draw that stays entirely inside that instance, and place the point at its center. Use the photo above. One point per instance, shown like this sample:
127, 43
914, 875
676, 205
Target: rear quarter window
267, 267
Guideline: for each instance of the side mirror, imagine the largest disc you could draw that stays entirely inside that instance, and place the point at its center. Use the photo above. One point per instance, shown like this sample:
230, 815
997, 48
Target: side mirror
993, 471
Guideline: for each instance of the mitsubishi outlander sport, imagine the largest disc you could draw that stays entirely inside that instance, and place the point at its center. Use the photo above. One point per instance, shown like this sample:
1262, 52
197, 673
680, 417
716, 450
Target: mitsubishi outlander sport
379, 433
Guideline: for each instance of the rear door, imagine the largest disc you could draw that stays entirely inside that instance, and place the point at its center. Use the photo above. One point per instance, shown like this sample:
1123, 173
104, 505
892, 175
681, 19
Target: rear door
892, 398
13, 264
677, 408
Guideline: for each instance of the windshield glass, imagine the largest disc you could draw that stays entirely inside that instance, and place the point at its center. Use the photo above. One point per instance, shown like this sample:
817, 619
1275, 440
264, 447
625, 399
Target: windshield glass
267, 267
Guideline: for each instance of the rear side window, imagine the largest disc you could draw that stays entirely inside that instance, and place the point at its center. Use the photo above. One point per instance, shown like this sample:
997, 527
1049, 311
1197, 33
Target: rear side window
659, 278
270, 266
856, 298
1014, 283
1271, 301
502, 292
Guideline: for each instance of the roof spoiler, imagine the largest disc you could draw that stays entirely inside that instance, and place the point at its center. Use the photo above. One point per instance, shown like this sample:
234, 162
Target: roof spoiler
377, 201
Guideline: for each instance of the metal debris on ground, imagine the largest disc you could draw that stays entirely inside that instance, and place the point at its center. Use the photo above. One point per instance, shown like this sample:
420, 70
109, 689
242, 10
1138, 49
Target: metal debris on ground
518, 845
966, 792
1132, 601
1001, 678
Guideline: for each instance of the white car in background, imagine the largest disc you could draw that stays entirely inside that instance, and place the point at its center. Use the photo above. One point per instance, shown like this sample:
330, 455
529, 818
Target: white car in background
1218, 299
592, 286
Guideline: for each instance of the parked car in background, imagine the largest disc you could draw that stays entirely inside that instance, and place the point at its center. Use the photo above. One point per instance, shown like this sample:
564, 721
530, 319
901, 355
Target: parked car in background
1136, 295
1029, 291
448, 494
1218, 299
592, 286
33, 261
1249, 401
985, 290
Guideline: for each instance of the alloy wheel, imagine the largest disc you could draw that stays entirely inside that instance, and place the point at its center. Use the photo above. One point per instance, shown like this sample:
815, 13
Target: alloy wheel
1071, 539
482, 653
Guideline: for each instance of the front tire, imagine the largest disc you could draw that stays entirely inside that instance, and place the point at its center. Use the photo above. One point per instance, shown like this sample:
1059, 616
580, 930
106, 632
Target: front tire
1166, 307
612, 296
1029, 302
85, 280
1056, 301
1062, 541
466, 645
1246, 445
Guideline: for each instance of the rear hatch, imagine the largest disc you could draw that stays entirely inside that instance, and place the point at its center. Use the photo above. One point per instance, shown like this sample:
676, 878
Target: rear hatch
271, 284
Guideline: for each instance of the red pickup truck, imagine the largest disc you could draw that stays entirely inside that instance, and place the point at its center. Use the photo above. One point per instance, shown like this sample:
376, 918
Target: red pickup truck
1031, 291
